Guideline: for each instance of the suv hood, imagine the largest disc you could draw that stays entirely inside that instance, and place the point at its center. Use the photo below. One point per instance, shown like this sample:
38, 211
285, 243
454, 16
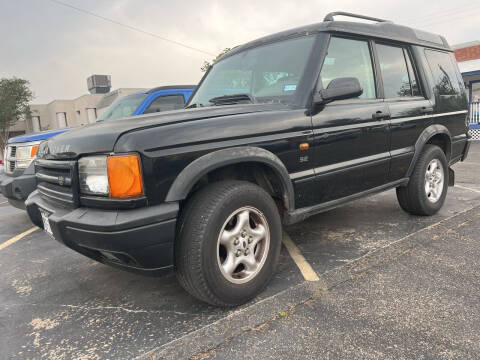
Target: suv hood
102, 136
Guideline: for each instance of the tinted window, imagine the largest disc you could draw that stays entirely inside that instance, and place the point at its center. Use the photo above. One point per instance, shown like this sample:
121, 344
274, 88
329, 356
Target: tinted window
413, 78
349, 58
444, 73
269, 73
165, 103
122, 108
396, 80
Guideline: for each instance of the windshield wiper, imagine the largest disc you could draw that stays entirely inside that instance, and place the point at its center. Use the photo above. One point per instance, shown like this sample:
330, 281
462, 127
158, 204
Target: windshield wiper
232, 99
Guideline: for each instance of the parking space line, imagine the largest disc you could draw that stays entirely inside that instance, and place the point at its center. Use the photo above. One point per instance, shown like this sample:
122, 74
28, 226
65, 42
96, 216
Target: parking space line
16, 238
307, 271
4, 202
467, 188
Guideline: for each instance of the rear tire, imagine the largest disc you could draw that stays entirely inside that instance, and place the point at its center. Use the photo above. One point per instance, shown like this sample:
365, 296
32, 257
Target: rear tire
228, 243
427, 189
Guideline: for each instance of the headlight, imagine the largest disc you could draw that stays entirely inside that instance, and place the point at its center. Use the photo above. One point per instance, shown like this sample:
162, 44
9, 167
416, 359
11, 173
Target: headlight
117, 176
92, 175
25, 154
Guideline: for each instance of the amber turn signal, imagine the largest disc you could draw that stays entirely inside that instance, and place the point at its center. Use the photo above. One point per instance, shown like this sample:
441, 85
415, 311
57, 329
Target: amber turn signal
304, 146
33, 151
124, 176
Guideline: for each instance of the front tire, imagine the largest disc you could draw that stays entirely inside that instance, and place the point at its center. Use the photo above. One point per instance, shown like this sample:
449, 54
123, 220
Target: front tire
228, 243
427, 189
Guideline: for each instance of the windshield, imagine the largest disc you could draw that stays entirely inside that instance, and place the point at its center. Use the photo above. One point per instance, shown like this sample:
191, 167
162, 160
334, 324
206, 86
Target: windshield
123, 107
268, 73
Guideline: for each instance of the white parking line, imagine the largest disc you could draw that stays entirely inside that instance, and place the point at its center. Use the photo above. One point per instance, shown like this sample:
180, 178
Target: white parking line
467, 188
4, 202
307, 271
16, 238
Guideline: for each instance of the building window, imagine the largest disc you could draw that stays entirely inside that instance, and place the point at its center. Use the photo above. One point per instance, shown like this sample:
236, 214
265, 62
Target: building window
62, 120
36, 123
91, 115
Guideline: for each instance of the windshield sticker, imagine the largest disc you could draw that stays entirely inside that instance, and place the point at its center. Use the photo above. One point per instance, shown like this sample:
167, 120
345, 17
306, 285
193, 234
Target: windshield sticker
289, 87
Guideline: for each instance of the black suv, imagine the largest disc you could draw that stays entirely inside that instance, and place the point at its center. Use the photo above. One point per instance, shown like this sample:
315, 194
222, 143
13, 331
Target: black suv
279, 129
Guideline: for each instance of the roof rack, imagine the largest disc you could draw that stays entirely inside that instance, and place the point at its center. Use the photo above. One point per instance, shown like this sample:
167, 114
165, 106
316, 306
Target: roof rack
330, 16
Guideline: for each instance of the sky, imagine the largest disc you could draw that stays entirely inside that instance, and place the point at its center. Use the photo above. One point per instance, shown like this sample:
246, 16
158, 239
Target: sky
56, 47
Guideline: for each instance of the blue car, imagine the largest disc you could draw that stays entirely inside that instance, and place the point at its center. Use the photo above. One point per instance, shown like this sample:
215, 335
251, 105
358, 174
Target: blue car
18, 179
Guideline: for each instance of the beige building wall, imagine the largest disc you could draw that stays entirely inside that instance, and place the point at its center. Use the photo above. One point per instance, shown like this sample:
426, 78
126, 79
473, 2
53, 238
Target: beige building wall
77, 112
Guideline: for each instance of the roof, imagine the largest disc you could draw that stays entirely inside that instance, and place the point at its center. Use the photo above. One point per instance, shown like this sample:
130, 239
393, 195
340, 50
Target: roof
171, 87
465, 45
469, 66
382, 29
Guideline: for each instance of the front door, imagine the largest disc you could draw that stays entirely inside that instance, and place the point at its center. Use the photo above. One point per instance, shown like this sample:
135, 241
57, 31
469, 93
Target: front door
351, 148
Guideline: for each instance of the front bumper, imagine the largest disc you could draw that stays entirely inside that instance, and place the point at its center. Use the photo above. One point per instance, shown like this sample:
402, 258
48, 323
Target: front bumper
17, 188
139, 240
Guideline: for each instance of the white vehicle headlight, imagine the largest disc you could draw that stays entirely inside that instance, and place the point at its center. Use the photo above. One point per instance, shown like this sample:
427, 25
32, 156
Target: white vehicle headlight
92, 174
25, 153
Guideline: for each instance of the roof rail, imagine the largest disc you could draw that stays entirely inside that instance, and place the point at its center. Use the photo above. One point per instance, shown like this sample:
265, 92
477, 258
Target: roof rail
330, 16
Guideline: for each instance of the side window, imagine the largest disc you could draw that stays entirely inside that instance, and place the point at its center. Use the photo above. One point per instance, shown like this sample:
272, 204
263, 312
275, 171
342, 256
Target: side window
411, 73
349, 58
398, 80
443, 72
165, 103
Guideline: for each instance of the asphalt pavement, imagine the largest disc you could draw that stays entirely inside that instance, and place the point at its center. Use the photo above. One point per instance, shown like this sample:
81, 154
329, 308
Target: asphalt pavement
389, 286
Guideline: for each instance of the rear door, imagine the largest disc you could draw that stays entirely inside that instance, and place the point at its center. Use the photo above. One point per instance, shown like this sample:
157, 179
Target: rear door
410, 111
351, 136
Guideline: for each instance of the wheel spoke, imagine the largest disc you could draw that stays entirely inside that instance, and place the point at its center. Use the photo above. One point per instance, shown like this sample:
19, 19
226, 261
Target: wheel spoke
243, 220
258, 234
229, 235
227, 238
230, 263
250, 263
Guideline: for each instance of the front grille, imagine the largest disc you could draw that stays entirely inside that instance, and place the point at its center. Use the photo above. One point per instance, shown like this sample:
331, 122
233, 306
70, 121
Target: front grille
11, 153
56, 181
11, 166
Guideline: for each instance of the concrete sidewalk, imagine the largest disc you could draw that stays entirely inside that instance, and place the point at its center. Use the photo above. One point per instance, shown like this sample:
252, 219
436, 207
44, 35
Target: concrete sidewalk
422, 304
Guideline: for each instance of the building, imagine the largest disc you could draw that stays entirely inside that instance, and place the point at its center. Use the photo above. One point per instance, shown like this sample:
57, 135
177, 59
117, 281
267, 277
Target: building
468, 58
64, 113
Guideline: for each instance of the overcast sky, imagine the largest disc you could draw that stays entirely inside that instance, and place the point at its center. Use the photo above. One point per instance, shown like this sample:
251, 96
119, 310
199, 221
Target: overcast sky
57, 48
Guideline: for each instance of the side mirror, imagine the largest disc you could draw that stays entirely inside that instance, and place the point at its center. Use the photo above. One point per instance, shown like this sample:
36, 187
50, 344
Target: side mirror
339, 89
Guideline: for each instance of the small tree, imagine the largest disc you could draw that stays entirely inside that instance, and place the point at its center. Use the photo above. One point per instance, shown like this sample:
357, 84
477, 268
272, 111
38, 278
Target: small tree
206, 65
15, 96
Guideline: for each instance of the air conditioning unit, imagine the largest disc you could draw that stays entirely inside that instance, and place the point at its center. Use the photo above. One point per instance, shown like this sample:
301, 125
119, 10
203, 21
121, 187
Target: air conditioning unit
99, 84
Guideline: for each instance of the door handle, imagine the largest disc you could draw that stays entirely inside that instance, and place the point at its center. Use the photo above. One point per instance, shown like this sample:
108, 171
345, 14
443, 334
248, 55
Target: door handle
379, 115
426, 110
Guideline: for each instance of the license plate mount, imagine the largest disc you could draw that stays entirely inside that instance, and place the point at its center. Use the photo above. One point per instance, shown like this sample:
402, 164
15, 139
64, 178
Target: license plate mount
46, 223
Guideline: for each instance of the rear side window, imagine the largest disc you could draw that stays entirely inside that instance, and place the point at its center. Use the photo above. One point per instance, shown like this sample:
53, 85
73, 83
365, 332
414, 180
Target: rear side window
444, 73
397, 72
165, 103
349, 58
